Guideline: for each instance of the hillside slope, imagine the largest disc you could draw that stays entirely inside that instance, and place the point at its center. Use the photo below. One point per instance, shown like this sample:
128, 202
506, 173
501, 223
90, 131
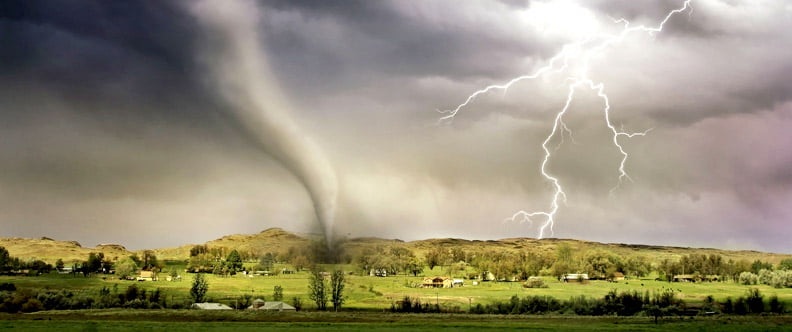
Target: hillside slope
278, 241
50, 250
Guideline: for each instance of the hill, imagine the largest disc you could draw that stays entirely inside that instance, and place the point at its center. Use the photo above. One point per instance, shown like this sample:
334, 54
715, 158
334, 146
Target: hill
50, 250
273, 240
279, 241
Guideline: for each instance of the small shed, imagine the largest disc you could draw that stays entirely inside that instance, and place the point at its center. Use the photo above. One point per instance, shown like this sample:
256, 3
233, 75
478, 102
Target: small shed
210, 306
618, 276
260, 304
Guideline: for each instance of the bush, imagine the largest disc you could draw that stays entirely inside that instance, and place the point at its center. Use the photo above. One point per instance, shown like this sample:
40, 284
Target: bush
409, 304
754, 301
535, 283
775, 306
297, 303
781, 279
748, 278
765, 276
8, 287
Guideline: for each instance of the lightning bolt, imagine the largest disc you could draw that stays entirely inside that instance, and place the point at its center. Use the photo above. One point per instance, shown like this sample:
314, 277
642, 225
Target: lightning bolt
583, 51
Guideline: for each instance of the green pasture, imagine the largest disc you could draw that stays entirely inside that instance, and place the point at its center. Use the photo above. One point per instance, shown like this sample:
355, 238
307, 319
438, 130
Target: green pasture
191, 320
377, 293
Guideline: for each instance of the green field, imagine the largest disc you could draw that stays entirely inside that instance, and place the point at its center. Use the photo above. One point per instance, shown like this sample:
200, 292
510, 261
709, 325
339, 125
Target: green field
190, 320
377, 293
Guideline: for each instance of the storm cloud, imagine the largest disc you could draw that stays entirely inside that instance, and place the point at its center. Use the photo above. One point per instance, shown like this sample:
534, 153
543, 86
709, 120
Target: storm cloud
110, 130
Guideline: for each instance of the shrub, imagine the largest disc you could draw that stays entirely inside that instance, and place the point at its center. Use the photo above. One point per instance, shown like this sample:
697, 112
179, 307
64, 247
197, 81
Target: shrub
748, 278
754, 301
535, 283
775, 306
781, 279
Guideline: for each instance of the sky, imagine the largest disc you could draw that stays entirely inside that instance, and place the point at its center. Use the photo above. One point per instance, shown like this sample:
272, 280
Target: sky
160, 123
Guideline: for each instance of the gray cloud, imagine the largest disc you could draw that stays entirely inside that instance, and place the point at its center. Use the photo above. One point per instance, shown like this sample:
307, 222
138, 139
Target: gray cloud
107, 122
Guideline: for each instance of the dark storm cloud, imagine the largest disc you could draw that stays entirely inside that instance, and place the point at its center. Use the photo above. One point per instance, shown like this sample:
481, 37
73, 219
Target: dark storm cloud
107, 117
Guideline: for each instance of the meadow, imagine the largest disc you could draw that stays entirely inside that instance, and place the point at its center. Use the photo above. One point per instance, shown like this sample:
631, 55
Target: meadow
191, 320
378, 293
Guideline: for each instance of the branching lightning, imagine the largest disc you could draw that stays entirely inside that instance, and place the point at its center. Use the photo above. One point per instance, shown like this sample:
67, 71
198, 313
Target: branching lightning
582, 51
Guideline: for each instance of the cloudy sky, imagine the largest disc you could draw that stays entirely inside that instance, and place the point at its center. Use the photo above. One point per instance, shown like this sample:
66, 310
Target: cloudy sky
137, 122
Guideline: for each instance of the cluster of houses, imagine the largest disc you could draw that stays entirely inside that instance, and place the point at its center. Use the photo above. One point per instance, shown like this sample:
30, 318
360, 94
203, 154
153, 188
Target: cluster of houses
258, 304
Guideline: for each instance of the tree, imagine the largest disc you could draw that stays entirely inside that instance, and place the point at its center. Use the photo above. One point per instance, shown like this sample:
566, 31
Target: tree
277, 293
234, 261
759, 265
300, 262
198, 250
126, 267
266, 263
59, 264
435, 257
337, 289
94, 262
415, 266
174, 274
199, 288
785, 264
150, 261
318, 290
5, 259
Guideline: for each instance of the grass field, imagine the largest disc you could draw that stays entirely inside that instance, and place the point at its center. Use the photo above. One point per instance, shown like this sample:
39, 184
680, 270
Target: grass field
375, 293
187, 320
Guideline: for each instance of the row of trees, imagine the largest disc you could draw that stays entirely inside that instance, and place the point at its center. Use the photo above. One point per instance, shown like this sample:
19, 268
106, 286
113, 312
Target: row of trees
777, 278
519, 265
320, 292
203, 259
9, 264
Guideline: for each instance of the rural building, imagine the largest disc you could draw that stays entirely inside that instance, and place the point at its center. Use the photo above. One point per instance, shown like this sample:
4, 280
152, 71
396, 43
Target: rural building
210, 306
437, 282
618, 276
378, 273
171, 278
147, 276
286, 271
694, 278
575, 277
260, 304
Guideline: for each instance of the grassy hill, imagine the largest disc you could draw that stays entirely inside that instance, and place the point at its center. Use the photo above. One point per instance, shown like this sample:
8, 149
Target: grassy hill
50, 250
273, 240
277, 240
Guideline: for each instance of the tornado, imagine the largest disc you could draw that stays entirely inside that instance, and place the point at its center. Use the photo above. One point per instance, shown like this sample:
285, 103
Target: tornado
230, 49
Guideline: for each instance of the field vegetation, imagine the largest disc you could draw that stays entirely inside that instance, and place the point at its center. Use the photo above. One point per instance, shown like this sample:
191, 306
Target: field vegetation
388, 278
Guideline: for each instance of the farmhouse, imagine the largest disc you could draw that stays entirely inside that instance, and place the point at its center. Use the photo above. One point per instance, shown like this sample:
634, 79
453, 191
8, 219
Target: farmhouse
695, 278
437, 282
617, 276
260, 304
147, 276
210, 306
